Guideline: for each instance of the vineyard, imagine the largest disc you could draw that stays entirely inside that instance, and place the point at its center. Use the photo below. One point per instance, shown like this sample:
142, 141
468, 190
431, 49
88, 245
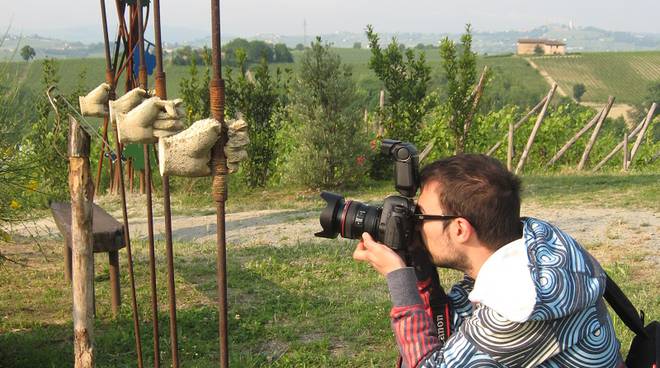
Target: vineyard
625, 75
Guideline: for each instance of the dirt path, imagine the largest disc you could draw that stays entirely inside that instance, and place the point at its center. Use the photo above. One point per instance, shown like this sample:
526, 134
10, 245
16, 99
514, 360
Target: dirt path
546, 76
613, 230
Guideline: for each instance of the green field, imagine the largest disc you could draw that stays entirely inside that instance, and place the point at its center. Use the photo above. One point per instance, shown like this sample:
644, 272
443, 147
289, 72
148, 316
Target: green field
625, 75
514, 81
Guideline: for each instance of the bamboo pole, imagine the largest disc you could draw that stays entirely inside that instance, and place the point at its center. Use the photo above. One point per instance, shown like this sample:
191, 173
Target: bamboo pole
82, 251
517, 125
594, 134
626, 159
539, 120
618, 146
649, 118
574, 139
509, 151
161, 91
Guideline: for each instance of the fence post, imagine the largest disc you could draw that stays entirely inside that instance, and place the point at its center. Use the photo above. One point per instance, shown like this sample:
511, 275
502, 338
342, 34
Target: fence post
509, 151
625, 151
571, 141
539, 120
649, 118
517, 125
82, 256
594, 134
381, 106
618, 146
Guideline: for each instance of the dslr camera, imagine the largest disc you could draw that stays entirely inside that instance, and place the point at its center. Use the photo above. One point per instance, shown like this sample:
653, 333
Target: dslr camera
393, 224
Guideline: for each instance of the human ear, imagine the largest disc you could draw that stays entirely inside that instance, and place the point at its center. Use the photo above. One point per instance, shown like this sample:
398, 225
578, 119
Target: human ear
463, 230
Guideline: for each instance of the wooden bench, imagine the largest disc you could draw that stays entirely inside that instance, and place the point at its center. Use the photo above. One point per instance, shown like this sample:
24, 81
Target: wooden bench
108, 237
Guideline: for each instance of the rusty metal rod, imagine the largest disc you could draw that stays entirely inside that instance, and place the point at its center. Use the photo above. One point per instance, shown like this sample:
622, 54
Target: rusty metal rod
127, 237
219, 188
161, 91
150, 215
109, 78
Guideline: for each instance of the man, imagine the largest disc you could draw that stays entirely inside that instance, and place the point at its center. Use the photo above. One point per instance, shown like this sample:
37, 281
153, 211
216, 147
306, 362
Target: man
531, 296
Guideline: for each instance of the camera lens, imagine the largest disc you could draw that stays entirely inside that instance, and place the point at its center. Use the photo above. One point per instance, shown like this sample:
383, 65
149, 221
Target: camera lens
347, 218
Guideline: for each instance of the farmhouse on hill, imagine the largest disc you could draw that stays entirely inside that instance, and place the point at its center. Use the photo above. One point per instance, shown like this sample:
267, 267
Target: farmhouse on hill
531, 46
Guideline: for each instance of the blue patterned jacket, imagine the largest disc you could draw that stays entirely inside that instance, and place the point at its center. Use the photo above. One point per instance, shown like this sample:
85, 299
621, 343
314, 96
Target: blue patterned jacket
537, 302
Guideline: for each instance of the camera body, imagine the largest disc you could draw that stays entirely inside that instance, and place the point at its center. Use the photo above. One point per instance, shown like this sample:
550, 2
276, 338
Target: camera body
393, 223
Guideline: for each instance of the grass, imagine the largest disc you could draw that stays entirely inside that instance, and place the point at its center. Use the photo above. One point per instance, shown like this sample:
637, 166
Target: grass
296, 305
639, 191
598, 190
625, 75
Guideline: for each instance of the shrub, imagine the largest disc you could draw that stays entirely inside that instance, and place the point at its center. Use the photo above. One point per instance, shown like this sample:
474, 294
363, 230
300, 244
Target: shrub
257, 98
325, 143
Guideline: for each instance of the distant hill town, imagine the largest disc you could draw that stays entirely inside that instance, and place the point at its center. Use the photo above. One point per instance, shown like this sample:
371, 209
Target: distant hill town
575, 39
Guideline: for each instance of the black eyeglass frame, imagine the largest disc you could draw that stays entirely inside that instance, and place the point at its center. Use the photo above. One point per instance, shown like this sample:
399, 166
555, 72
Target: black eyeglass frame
424, 217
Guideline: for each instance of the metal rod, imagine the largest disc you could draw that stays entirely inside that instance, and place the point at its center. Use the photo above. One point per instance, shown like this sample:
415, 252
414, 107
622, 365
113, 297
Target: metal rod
127, 237
161, 92
109, 78
219, 188
150, 215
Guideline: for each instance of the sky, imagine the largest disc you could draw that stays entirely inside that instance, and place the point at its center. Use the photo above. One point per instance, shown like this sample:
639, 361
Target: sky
287, 17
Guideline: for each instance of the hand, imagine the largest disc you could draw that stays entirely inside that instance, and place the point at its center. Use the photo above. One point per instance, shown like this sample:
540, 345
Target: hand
382, 258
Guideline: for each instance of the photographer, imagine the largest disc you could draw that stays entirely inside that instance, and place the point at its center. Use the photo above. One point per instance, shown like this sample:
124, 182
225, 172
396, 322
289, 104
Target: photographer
531, 296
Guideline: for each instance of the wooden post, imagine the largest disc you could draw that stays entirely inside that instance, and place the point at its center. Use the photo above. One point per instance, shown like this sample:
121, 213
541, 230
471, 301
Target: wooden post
82, 194
509, 151
476, 97
618, 146
539, 120
594, 134
649, 118
426, 151
381, 107
517, 125
571, 141
625, 152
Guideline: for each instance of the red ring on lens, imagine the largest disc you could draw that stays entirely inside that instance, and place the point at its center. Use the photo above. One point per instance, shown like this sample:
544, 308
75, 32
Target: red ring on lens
343, 215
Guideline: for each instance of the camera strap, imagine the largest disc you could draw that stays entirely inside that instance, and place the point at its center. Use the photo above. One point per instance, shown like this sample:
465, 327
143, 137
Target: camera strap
439, 303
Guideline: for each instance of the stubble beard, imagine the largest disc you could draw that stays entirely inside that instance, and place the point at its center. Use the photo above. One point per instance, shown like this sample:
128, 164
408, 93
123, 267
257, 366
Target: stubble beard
450, 257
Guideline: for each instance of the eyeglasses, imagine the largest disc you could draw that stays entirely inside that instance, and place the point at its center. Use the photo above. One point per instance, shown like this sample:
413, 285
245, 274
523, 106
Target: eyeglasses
420, 217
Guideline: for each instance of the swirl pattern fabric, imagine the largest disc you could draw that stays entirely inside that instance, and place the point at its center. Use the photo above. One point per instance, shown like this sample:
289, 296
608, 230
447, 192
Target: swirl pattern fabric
569, 326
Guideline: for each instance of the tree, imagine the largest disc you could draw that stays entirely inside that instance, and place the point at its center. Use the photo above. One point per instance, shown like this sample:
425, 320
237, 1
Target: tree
257, 99
538, 50
406, 81
195, 91
578, 91
282, 54
327, 143
461, 74
27, 53
357, 45
300, 47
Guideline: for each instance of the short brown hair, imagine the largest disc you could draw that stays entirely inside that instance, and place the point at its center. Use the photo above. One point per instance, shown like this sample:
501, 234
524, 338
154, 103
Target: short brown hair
482, 190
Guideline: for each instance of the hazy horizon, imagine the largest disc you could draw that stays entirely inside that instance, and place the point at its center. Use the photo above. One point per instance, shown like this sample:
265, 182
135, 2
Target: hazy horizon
251, 17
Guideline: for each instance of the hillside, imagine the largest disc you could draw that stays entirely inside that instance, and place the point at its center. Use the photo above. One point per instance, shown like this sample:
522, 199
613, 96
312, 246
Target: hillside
514, 81
625, 75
